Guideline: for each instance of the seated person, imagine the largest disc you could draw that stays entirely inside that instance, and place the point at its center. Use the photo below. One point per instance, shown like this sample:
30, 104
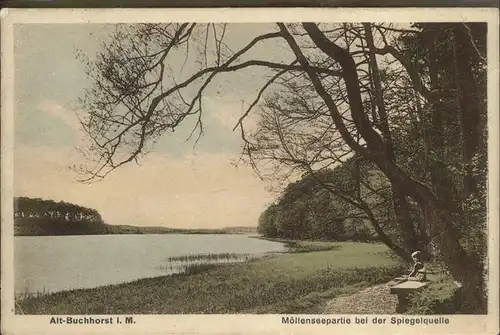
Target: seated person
418, 271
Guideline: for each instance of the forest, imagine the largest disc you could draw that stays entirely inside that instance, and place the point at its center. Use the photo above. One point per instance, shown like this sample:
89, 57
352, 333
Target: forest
35, 216
388, 120
307, 211
40, 217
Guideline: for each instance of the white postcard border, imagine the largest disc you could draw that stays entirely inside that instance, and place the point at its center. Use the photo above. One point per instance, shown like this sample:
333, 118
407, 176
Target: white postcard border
242, 324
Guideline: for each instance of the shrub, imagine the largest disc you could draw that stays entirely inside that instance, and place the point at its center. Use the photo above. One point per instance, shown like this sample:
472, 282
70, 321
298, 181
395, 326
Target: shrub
440, 297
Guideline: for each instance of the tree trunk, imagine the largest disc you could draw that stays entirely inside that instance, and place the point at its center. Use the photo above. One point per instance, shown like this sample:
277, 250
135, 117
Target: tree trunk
464, 269
401, 252
402, 213
400, 203
469, 106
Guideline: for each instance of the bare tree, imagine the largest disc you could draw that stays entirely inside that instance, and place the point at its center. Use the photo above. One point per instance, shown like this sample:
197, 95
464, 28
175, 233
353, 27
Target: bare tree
296, 134
138, 96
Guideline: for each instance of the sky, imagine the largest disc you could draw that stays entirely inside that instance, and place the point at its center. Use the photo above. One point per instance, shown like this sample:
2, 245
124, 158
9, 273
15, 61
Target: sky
176, 185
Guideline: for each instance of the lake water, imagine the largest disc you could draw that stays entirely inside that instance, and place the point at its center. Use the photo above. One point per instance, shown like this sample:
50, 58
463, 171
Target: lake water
55, 263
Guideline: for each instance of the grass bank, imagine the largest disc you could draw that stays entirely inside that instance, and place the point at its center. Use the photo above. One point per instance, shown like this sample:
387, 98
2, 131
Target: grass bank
285, 283
442, 296
294, 246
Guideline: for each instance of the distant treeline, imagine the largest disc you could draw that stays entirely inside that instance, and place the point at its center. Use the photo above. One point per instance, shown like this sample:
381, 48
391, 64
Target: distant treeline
35, 216
39, 217
128, 229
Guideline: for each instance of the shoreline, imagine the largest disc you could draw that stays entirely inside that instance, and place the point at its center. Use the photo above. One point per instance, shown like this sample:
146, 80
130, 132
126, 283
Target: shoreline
248, 257
292, 282
193, 232
112, 234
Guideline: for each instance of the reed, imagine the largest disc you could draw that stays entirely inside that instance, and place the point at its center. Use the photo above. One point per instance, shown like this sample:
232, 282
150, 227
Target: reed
189, 264
208, 257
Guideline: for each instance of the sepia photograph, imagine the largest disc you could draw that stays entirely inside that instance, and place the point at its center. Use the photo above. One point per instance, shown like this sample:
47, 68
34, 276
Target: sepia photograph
310, 170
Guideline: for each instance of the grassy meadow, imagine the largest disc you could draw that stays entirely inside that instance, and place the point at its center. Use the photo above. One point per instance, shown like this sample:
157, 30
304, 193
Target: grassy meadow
296, 282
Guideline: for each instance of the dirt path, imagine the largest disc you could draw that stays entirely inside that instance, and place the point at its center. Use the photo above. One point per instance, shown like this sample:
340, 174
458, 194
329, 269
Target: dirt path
372, 300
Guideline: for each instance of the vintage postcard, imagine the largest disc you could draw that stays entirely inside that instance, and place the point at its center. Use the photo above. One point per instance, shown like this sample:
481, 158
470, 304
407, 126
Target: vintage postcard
250, 171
